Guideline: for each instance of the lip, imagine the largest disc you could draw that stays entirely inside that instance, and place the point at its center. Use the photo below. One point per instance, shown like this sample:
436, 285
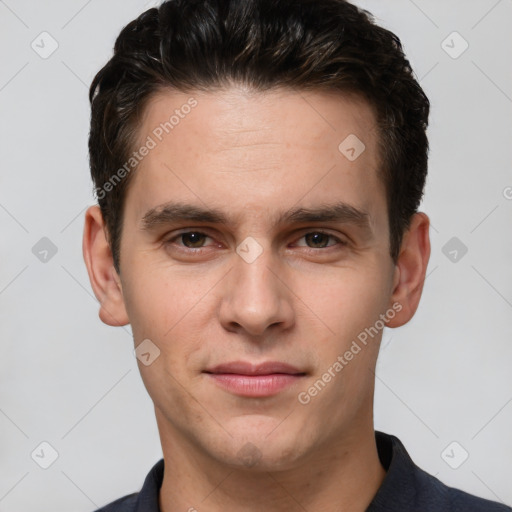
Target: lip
254, 380
245, 368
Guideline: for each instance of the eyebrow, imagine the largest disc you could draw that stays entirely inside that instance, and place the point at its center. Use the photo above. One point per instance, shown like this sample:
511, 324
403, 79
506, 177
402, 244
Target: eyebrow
173, 212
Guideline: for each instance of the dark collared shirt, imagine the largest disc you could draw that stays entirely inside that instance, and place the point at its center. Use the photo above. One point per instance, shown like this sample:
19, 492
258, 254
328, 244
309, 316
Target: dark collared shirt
406, 488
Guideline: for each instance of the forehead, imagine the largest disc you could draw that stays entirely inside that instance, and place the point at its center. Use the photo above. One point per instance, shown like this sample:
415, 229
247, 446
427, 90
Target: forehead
238, 112
257, 152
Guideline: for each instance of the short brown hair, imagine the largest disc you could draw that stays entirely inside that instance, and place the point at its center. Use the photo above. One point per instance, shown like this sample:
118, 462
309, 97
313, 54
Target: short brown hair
300, 44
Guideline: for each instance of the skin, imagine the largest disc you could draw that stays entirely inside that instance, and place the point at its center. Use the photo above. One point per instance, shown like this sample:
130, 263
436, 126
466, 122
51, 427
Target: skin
303, 301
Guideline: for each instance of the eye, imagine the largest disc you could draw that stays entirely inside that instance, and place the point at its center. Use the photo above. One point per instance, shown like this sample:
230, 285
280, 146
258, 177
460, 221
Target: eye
189, 239
194, 241
319, 239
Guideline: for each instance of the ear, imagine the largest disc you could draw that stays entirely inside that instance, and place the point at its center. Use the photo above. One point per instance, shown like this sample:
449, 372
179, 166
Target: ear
410, 270
104, 279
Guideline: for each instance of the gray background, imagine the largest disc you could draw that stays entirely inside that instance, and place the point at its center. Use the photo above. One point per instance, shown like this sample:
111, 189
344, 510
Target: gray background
69, 380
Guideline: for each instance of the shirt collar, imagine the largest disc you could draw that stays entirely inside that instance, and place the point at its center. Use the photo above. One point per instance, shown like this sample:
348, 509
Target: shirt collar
147, 500
400, 474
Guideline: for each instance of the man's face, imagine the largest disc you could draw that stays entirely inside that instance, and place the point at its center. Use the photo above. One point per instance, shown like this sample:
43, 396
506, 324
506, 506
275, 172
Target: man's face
256, 288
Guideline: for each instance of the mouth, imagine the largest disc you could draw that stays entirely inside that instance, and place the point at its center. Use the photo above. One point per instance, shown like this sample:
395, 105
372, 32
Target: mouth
261, 380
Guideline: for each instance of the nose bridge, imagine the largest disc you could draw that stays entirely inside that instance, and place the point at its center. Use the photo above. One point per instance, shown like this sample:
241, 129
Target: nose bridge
255, 296
253, 268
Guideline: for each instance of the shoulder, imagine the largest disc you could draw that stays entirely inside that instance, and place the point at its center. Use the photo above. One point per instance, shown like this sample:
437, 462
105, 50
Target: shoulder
461, 501
144, 501
432, 494
408, 487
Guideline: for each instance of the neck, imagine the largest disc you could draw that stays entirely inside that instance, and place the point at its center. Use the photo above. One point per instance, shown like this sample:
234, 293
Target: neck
343, 477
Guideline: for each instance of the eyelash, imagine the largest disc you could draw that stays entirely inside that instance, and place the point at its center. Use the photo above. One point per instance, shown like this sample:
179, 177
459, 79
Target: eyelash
198, 250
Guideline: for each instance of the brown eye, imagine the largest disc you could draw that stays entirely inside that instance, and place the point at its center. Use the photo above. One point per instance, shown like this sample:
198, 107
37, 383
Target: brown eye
194, 238
319, 240
188, 241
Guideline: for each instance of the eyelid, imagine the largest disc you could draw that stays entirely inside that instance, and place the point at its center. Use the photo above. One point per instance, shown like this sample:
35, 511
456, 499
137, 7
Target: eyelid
299, 233
171, 239
306, 231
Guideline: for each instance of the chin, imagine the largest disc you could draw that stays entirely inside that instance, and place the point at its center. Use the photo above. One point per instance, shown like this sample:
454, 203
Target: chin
249, 457
263, 444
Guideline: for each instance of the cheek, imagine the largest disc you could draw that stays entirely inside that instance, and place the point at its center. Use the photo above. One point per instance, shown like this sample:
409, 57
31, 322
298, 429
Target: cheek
344, 300
158, 301
168, 308
148, 304
165, 311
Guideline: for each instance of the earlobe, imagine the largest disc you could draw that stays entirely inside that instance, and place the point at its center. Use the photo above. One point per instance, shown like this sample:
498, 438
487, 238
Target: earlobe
104, 279
411, 269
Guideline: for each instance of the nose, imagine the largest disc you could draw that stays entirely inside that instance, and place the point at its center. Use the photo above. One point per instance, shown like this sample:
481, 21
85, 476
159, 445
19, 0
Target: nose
255, 297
